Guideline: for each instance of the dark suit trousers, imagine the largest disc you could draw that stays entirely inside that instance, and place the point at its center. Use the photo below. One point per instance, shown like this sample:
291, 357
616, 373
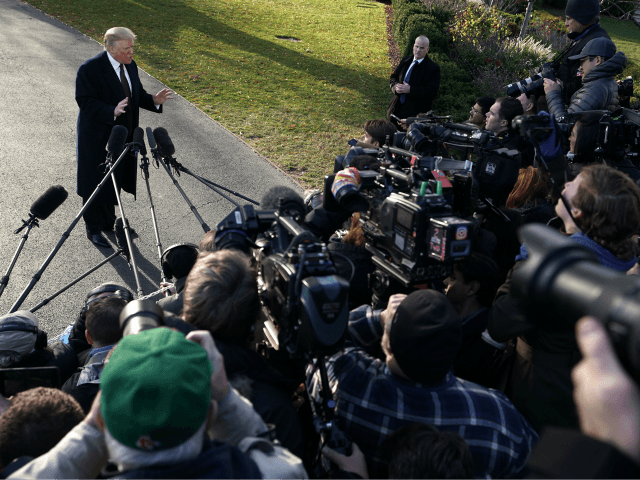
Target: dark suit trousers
98, 216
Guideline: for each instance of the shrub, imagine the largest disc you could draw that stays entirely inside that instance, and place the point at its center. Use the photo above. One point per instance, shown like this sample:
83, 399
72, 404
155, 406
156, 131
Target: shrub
432, 18
495, 63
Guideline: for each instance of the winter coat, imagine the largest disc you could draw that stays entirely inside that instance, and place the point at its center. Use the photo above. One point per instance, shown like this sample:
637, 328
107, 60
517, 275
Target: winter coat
599, 89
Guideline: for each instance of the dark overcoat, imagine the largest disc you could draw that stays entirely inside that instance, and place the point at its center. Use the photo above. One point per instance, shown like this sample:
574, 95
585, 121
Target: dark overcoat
424, 82
98, 91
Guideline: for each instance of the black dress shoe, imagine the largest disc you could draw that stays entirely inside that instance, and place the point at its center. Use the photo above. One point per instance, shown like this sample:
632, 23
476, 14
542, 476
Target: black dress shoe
98, 240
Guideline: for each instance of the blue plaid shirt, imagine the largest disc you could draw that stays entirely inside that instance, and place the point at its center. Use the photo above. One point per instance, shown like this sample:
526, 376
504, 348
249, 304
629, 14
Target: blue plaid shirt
372, 403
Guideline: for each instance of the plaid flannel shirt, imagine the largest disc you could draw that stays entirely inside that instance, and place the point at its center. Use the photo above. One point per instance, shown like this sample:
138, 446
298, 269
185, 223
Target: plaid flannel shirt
372, 403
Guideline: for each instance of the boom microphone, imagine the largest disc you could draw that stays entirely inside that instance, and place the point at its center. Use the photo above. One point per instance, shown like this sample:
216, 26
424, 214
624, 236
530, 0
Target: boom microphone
121, 239
48, 202
165, 145
292, 203
117, 139
138, 141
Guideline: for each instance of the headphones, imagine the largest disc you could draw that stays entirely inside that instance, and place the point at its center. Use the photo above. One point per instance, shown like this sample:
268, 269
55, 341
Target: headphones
116, 290
166, 265
41, 337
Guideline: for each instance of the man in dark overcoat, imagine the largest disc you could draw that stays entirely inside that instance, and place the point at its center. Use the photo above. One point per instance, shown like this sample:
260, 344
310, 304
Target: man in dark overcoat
414, 83
582, 23
109, 93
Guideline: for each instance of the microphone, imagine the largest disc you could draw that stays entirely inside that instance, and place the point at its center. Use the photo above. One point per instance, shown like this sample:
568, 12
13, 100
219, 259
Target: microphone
138, 141
48, 202
151, 139
121, 240
116, 142
44, 206
292, 203
165, 145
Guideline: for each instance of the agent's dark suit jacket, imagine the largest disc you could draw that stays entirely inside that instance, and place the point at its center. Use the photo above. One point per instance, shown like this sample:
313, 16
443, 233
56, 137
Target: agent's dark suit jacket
98, 91
424, 82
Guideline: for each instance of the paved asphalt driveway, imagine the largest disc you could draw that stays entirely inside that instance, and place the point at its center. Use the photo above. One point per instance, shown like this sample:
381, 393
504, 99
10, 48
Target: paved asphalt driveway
39, 58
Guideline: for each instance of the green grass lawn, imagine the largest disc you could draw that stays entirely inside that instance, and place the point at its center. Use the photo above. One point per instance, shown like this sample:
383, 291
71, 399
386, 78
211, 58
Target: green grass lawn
295, 102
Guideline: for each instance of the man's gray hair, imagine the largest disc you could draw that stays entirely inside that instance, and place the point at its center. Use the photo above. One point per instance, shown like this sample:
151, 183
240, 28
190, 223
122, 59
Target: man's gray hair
425, 37
116, 34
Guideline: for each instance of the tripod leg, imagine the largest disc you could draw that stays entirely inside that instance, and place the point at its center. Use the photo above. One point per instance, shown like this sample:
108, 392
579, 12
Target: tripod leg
128, 235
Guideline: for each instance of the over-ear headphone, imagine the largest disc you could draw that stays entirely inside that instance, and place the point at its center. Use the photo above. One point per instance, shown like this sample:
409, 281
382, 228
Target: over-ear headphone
41, 337
116, 290
166, 265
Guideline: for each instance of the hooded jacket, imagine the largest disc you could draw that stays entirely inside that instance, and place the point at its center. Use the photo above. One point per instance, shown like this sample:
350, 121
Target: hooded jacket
599, 89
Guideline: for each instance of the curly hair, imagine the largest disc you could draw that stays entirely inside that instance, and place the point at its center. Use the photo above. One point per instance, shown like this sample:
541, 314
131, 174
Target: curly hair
610, 206
36, 421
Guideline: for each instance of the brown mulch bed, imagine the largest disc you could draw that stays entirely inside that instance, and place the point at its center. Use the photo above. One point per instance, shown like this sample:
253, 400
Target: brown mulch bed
394, 53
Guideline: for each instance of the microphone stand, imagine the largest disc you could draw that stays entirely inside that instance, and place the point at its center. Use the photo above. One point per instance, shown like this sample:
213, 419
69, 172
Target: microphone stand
158, 159
29, 224
177, 166
73, 282
144, 166
65, 235
125, 222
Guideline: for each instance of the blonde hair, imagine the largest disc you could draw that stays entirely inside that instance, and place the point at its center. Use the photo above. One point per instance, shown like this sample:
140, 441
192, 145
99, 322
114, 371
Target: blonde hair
116, 34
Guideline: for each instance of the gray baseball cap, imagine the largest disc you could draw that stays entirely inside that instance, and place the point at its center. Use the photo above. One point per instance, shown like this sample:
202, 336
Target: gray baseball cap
600, 47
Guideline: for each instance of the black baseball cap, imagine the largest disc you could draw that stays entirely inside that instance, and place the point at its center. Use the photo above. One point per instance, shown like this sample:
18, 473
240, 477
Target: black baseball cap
598, 47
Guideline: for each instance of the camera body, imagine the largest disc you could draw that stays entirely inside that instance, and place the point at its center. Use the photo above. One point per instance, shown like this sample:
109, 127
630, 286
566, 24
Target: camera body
415, 238
303, 298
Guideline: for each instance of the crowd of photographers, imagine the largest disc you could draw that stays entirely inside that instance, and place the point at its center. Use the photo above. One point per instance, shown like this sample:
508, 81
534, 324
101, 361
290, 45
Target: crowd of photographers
258, 365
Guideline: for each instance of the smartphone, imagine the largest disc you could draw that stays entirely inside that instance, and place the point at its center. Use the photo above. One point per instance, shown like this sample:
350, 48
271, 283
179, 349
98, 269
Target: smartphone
16, 380
352, 142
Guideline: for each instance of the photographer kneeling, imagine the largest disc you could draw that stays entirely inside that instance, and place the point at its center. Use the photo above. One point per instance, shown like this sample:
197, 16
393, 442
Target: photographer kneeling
599, 64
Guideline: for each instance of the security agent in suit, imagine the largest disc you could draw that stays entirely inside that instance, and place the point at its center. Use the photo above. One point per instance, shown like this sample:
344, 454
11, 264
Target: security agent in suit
101, 93
414, 83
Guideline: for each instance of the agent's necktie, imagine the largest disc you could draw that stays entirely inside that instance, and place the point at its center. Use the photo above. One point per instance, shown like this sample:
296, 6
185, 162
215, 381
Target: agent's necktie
403, 96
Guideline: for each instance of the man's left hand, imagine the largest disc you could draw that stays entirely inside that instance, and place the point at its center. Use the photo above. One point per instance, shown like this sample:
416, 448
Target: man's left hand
550, 85
162, 96
403, 87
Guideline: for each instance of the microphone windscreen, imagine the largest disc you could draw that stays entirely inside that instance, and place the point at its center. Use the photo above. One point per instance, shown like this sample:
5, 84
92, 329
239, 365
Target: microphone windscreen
121, 237
165, 145
292, 202
117, 139
138, 139
46, 204
150, 138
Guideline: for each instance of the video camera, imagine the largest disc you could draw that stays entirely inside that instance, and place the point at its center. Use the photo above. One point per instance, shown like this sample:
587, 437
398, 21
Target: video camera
303, 298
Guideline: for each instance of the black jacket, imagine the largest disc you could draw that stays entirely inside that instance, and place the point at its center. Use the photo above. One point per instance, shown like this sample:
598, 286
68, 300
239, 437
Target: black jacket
569, 68
424, 82
98, 91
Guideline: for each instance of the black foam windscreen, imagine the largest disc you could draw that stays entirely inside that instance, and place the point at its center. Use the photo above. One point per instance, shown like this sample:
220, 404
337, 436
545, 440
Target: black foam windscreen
165, 145
121, 238
138, 139
292, 202
117, 139
47, 203
151, 139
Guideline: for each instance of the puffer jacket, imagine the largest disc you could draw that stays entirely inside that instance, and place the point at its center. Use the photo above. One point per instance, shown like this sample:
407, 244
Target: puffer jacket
599, 89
